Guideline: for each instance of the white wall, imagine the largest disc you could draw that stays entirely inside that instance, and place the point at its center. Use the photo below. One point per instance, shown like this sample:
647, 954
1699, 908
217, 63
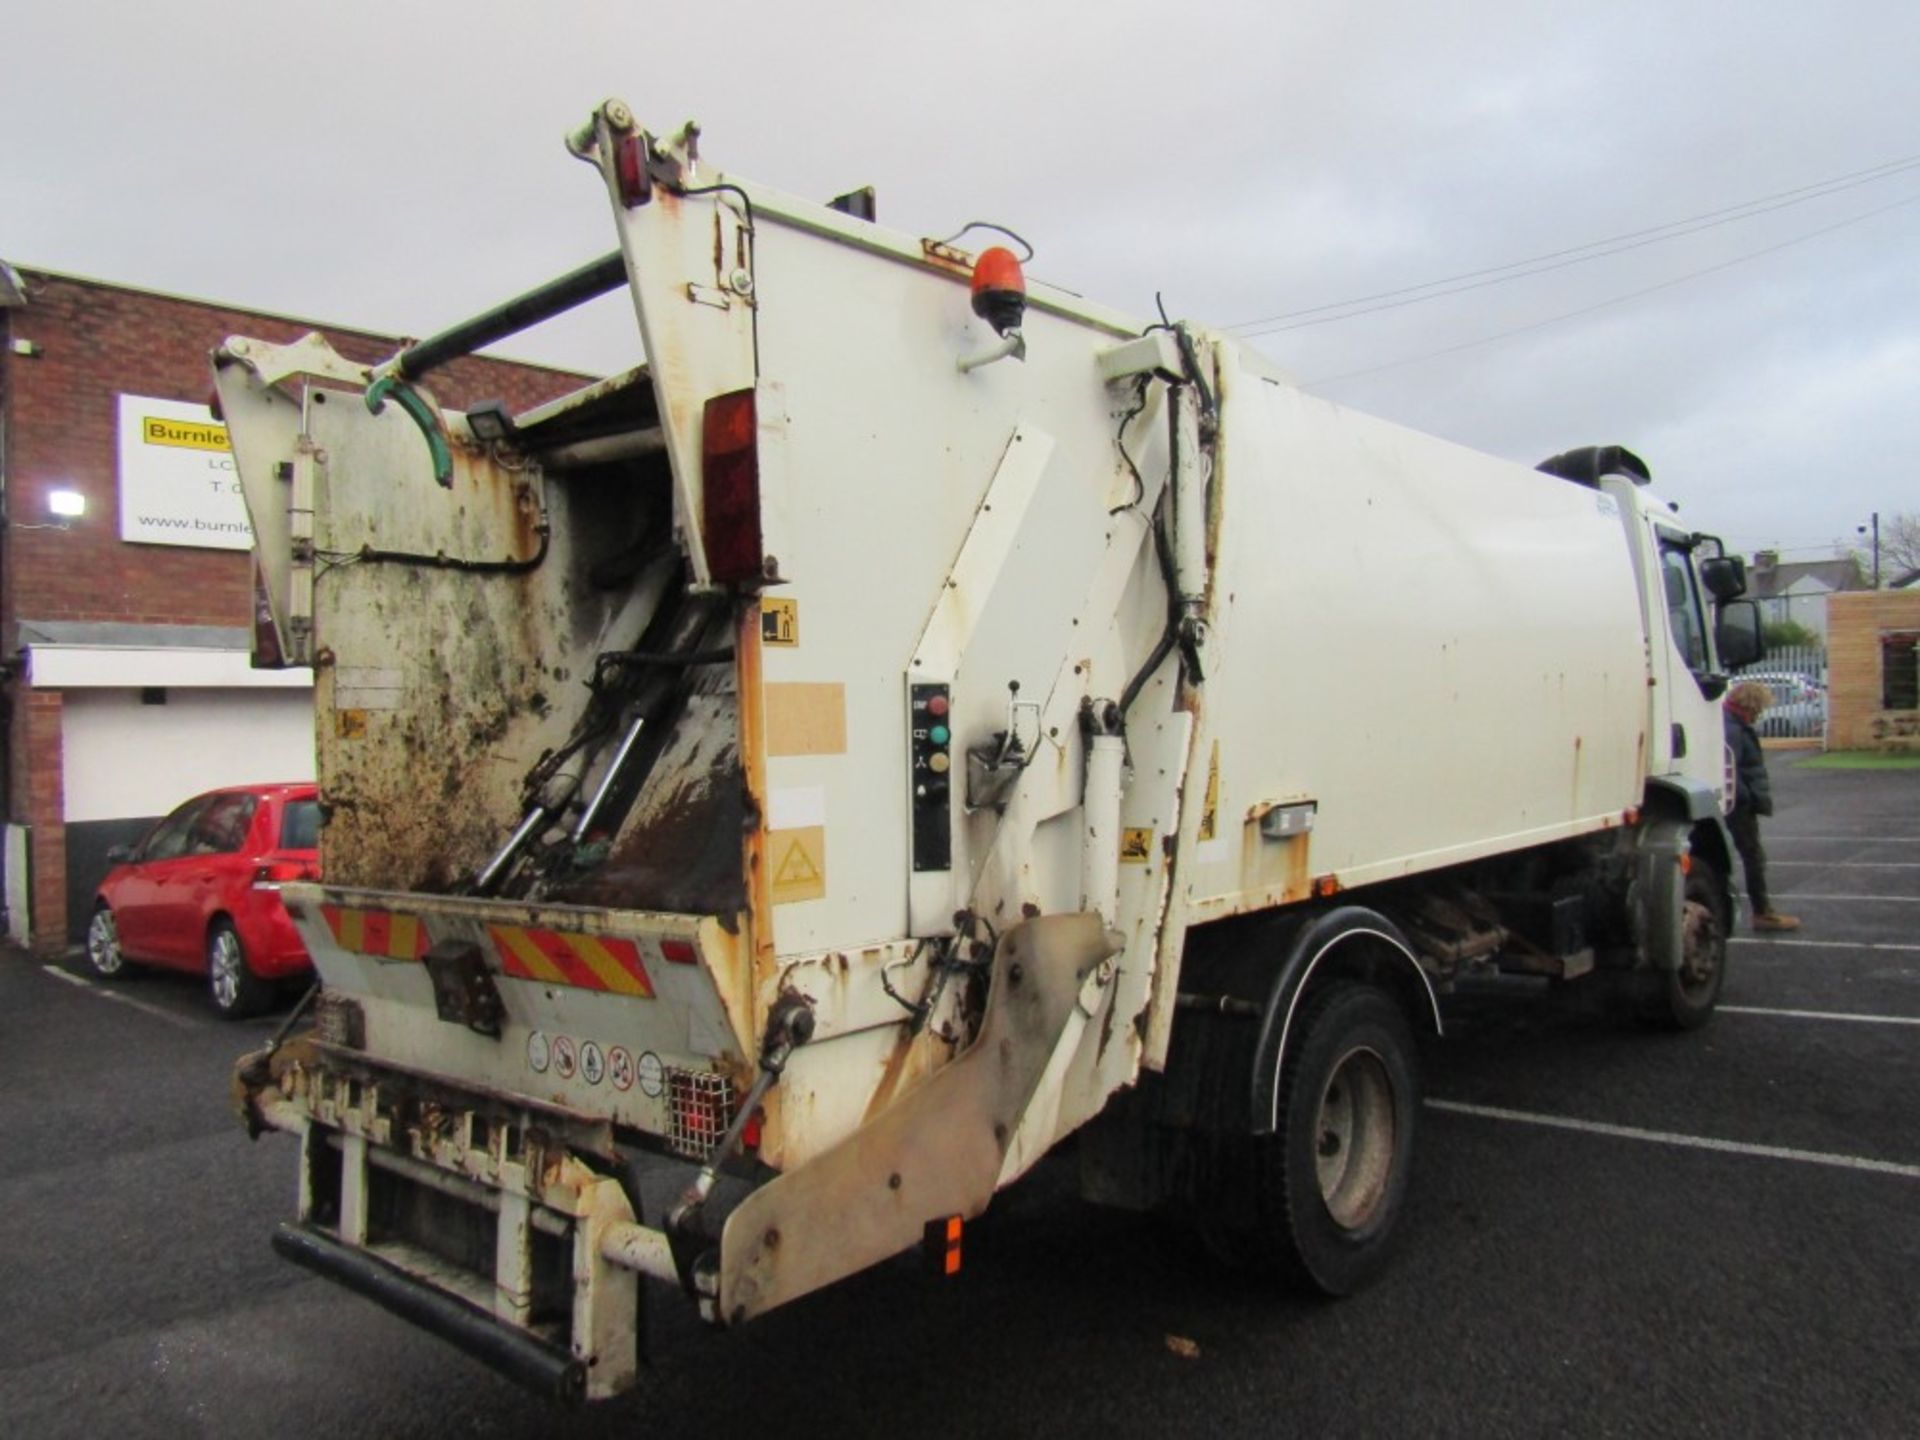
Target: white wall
127, 759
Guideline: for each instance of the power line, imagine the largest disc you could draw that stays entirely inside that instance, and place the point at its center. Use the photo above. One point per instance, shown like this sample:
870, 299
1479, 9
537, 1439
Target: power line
1615, 300
1572, 255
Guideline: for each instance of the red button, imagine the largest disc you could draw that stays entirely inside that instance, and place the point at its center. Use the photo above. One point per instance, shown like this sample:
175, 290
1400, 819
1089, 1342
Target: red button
937, 705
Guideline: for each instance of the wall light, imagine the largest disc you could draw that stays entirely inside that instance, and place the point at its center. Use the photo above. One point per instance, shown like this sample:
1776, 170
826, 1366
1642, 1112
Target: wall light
68, 504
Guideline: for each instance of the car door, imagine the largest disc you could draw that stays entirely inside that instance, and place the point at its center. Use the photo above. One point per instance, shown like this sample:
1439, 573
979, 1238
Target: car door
200, 880
139, 896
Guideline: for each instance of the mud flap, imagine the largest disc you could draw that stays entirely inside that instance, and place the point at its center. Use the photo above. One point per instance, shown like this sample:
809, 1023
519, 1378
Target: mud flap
936, 1152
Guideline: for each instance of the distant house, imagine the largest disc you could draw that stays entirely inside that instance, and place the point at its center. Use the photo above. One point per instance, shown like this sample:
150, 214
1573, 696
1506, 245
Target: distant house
1798, 590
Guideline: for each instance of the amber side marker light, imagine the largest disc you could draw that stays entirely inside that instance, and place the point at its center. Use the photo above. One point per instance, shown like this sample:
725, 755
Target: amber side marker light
941, 1245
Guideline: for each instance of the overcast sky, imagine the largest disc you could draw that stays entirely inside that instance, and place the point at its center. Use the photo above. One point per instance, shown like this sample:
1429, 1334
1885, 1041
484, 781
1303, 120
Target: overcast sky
398, 166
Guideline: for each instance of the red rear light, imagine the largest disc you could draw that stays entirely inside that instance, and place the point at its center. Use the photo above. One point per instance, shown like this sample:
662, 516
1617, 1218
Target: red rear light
730, 489
679, 952
630, 170
751, 1131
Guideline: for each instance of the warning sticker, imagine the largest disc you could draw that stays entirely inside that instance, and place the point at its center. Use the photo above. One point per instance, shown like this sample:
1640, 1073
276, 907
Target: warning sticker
798, 862
539, 1053
593, 1063
350, 724
1136, 844
1210, 811
620, 1067
563, 1057
779, 620
653, 1075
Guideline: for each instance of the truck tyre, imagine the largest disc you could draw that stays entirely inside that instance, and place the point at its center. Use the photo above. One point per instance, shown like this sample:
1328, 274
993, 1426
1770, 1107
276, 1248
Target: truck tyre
237, 991
103, 945
1332, 1178
1684, 999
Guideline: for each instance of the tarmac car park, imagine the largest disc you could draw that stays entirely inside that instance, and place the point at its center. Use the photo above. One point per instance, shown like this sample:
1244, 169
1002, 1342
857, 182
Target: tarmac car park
1752, 1270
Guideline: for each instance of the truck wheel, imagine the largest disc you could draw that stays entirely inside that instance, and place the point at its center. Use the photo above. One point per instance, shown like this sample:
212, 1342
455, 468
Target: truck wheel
1332, 1179
237, 991
103, 945
1684, 999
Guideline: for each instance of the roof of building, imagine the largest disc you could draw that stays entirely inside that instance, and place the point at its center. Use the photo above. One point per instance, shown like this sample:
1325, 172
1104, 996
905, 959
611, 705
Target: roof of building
1778, 580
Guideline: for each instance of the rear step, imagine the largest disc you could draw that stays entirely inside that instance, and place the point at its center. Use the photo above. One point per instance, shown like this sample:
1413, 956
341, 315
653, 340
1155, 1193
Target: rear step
548, 1370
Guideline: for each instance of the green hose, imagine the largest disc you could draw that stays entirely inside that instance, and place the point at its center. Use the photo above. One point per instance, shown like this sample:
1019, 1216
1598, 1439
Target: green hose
422, 415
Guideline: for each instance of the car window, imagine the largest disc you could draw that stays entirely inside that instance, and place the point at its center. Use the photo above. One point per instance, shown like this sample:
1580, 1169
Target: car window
300, 825
169, 837
222, 827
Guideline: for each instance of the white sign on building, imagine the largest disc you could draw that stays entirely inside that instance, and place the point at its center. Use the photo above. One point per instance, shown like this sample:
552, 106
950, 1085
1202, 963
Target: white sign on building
178, 485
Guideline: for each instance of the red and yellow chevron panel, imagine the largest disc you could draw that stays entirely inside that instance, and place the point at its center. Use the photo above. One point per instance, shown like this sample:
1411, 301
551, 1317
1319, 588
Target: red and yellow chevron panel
556, 957
378, 933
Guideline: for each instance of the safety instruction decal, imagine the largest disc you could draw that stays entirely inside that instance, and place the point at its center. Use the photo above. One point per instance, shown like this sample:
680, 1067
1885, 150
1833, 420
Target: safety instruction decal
779, 620
797, 863
1136, 844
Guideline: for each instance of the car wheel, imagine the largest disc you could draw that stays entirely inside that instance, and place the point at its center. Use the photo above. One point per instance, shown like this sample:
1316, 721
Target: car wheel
237, 991
103, 945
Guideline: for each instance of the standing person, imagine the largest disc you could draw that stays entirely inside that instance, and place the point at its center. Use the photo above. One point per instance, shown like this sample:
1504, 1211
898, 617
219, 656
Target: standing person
1752, 798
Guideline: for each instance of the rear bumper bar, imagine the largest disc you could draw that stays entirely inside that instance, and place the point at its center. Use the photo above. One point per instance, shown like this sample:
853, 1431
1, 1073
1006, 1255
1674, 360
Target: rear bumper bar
545, 1369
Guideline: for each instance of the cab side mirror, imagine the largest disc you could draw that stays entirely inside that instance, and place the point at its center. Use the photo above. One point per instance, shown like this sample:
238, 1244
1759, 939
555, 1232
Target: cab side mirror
1737, 635
120, 855
1725, 577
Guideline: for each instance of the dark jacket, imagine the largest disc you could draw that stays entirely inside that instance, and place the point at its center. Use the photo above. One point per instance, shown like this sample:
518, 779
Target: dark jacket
1751, 788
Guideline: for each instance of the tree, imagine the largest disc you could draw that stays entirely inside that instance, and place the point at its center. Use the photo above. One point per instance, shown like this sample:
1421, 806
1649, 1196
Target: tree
1788, 635
1899, 547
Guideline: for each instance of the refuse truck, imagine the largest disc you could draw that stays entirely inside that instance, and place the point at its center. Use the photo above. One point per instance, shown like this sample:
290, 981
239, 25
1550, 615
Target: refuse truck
912, 717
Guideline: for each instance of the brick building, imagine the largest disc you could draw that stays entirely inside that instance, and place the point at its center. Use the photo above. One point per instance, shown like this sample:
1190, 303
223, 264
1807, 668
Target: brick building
126, 594
1873, 670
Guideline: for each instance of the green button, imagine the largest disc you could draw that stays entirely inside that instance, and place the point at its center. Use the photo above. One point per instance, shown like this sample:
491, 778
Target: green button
938, 735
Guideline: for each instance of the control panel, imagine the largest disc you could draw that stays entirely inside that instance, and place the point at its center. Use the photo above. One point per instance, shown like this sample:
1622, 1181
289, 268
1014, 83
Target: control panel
930, 734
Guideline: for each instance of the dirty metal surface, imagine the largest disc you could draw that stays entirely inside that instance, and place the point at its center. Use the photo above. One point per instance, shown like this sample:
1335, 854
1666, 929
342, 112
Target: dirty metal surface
936, 1152
680, 848
437, 689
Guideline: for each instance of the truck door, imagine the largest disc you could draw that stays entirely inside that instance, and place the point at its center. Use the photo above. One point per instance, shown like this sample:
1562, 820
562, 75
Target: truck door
1688, 659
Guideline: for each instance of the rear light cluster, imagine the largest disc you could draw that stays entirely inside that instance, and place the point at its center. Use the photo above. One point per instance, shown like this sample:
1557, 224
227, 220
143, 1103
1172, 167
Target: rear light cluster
700, 1107
282, 872
730, 489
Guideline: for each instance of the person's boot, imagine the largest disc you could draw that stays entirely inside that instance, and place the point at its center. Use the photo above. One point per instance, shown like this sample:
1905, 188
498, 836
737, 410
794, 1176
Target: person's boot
1774, 920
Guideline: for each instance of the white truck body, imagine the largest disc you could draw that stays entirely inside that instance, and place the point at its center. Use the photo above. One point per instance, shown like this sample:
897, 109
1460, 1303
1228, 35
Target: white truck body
1396, 660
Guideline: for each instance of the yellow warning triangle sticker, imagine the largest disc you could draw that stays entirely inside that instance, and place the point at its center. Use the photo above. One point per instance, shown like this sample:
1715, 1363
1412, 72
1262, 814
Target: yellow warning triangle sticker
797, 867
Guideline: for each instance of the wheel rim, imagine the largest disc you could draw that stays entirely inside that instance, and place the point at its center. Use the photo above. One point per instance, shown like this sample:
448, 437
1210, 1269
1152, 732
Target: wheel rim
103, 943
1354, 1137
225, 966
1702, 939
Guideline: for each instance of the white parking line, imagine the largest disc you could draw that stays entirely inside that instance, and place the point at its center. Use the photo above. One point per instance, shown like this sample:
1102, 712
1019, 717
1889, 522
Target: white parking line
1890, 899
1847, 864
1848, 839
1819, 1015
179, 1021
1824, 944
1685, 1142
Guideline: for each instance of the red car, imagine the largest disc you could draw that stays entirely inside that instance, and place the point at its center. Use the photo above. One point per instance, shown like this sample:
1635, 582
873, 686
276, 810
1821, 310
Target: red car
202, 892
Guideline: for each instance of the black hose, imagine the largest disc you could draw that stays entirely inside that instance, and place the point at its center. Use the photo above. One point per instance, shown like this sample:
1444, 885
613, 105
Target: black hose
366, 554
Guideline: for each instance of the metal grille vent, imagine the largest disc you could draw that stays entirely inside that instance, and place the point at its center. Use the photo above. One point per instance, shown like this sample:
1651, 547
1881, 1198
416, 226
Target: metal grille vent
700, 1107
